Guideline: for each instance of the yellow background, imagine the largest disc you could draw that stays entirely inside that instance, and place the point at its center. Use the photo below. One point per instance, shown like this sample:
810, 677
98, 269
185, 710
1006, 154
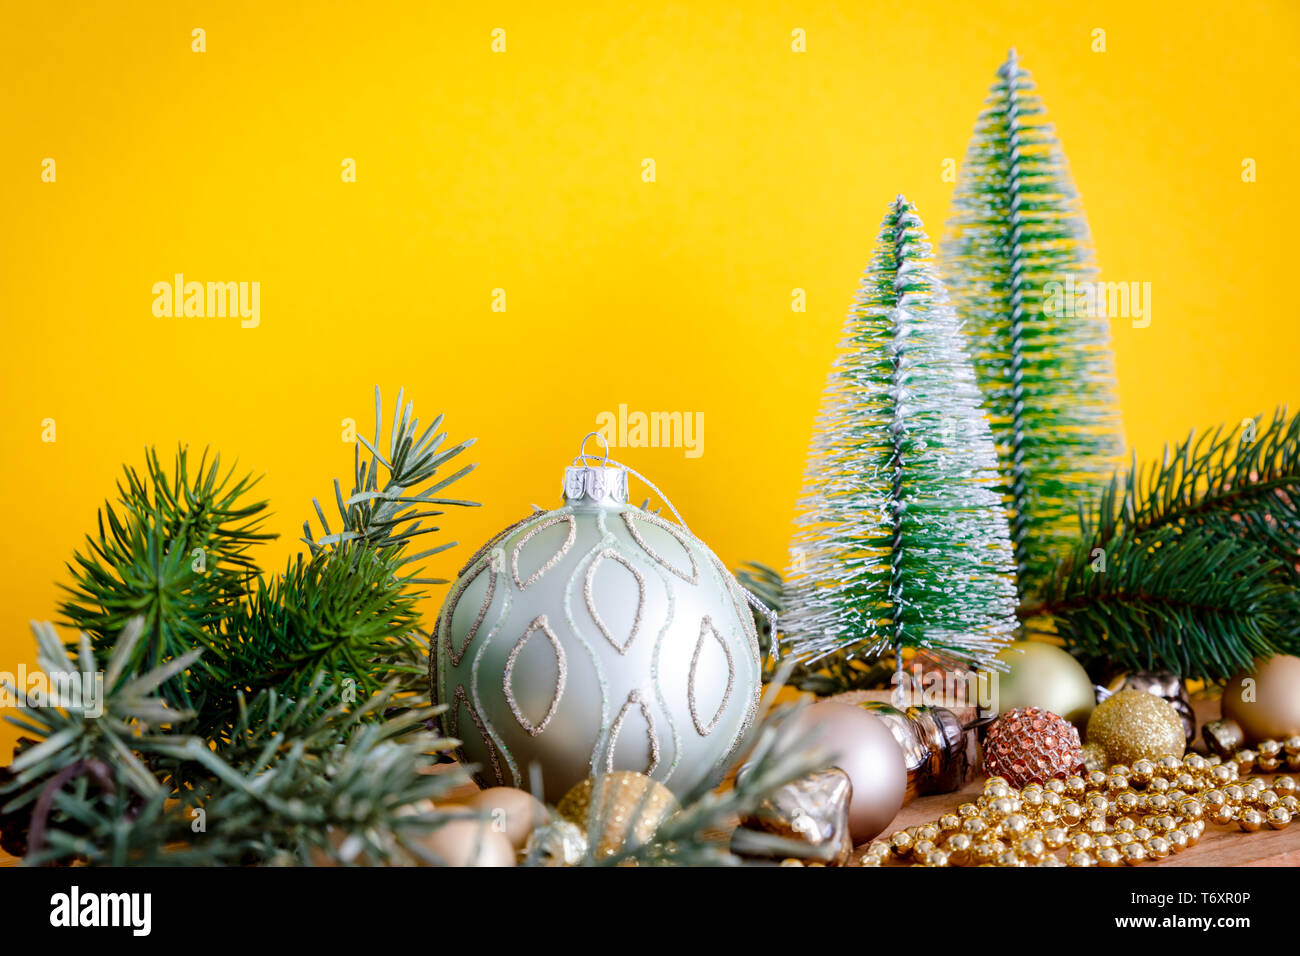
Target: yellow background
522, 171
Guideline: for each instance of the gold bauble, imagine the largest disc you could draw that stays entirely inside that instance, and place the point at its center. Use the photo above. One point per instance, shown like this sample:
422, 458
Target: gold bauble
1165, 684
1133, 725
619, 806
515, 812
1266, 703
1044, 676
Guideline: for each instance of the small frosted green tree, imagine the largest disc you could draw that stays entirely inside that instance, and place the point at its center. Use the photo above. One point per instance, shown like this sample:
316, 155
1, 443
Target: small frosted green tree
902, 539
1019, 263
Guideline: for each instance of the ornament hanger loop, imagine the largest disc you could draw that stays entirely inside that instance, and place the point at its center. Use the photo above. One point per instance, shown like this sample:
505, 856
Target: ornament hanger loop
582, 449
580, 461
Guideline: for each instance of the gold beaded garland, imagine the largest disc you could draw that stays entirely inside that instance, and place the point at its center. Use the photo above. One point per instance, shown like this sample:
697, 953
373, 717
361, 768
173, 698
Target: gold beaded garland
1149, 810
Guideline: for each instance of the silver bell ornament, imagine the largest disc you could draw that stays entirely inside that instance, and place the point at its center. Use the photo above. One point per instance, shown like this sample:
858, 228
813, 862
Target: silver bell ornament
594, 638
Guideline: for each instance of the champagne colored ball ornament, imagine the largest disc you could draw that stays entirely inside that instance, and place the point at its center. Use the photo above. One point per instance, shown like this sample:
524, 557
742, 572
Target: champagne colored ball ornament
469, 843
593, 638
934, 743
862, 745
1266, 703
1133, 725
514, 812
1044, 676
1028, 745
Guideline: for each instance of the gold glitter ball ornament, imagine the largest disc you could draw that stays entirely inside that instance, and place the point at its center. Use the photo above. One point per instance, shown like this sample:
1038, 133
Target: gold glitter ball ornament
619, 806
1029, 745
1163, 684
1132, 725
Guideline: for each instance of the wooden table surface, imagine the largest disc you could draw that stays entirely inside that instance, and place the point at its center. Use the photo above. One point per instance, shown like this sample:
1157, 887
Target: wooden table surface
1220, 846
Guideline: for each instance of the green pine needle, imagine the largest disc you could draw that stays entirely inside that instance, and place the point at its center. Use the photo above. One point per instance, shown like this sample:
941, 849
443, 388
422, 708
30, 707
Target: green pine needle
1189, 564
174, 551
390, 516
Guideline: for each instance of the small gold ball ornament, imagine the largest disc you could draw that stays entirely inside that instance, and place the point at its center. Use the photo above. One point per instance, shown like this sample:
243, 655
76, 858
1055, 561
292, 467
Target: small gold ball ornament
1251, 820
1163, 684
1109, 856
623, 805
1132, 725
1134, 853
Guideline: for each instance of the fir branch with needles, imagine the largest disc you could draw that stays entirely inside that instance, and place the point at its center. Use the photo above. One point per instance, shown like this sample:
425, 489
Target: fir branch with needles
174, 551
348, 613
235, 693
314, 778
1190, 564
391, 516
298, 780
87, 735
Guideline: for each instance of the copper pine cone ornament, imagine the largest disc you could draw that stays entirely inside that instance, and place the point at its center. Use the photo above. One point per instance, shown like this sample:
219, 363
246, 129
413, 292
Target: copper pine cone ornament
1030, 745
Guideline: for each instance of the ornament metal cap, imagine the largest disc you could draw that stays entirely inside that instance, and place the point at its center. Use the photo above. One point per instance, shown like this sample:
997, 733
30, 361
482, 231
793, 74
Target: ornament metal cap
601, 484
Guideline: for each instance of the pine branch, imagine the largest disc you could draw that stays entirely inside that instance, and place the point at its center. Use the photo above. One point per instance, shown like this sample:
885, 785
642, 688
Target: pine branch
1017, 238
1247, 475
296, 780
280, 759
345, 613
349, 609
176, 555
391, 516
315, 776
87, 731
902, 540
1203, 602
1190, 563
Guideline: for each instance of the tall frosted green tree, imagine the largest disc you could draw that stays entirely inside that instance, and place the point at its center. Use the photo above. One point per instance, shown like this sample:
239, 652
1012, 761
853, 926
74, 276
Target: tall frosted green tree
1019, 263
902, 538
